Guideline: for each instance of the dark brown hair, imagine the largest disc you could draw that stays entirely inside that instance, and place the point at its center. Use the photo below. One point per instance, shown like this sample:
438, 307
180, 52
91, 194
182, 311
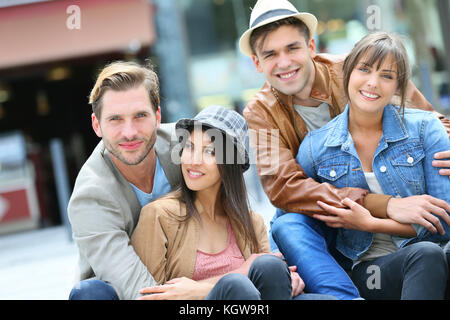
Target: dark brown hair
377, 47
232, 195
260, 34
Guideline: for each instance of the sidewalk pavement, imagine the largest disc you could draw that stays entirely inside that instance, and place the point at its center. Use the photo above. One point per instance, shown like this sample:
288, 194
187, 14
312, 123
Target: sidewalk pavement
37, 265
41, 264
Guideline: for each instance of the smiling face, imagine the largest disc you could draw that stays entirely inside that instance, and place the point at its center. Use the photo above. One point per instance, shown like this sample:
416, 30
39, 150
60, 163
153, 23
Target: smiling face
127, 125
285, 58
371, 87
198, 163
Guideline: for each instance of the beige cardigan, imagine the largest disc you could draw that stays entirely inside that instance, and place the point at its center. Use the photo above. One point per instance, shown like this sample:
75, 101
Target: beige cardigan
168, 247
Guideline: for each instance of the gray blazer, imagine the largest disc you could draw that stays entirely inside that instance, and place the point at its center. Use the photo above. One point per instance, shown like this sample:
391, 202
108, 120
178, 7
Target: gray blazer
104, 210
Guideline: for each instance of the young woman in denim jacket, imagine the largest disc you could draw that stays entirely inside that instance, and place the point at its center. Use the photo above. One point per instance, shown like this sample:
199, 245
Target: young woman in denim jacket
387, 149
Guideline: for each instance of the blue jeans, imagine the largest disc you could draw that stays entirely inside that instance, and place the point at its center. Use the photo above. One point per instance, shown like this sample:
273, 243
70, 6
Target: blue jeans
93, 289
268, 279
416, 272
310, 245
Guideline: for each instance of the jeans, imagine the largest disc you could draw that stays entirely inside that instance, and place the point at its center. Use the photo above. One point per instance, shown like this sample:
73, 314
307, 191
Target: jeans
309, 244
447, 255
93, 289
268, 279
416, 272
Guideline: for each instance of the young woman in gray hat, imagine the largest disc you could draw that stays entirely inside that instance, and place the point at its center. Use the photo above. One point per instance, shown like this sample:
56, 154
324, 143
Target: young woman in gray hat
204, 235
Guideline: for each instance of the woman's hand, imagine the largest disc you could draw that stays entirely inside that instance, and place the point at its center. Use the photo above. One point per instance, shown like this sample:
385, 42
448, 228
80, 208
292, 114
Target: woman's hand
296, 282
356, 217
177, 289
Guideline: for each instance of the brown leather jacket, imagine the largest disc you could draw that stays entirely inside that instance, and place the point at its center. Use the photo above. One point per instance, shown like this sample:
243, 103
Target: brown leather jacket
277, 131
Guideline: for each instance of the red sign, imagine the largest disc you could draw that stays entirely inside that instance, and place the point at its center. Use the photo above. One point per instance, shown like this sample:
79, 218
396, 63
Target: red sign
14, 206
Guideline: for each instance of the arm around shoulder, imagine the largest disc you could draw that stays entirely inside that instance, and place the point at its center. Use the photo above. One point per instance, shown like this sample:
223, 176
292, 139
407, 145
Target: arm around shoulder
435, 140
415, 99
283, 179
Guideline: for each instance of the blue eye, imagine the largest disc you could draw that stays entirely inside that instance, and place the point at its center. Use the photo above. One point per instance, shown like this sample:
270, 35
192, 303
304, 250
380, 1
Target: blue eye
210, 151
364, 69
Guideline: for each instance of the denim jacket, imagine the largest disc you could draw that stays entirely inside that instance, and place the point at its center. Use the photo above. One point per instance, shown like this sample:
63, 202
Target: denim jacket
401, 164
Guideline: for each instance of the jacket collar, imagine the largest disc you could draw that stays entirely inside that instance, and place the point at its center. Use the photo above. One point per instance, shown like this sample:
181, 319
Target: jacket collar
321, 86
393, 127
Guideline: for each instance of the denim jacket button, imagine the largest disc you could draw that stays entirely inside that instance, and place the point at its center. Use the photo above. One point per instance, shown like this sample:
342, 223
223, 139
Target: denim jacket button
332, 173
410, 160
383, 169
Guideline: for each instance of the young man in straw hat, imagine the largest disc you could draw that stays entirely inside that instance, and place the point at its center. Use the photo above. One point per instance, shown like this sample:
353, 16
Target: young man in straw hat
303, 91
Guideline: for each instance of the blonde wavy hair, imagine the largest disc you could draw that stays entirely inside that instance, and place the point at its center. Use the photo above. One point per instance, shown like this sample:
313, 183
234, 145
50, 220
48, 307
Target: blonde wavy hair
120, 76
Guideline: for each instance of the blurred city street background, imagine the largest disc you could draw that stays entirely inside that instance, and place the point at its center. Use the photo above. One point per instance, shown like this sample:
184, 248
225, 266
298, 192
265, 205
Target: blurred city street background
52, 50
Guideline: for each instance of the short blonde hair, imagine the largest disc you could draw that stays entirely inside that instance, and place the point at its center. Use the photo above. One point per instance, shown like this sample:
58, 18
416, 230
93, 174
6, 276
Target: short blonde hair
119, 76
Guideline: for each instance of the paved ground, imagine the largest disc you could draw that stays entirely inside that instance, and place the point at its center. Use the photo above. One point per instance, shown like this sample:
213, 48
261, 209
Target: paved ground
41, 264
37, 265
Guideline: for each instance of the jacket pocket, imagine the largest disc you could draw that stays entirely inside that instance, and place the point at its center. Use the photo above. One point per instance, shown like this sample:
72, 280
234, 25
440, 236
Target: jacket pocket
334, 173
407, 162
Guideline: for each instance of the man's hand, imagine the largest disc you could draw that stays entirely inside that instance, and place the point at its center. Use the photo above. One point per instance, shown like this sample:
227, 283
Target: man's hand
439, 163
296, 282
356, 217
419, 210
177, 289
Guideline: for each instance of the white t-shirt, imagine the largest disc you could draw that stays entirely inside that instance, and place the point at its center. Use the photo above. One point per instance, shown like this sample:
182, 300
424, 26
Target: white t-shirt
382, 243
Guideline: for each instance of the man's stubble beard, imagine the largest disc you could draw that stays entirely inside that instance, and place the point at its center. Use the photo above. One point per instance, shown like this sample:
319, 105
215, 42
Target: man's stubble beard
149, 146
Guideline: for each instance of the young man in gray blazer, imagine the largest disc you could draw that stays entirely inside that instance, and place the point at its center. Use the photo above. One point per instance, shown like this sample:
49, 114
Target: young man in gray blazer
130, 167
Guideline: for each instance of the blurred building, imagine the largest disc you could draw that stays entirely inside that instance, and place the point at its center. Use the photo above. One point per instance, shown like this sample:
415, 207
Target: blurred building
51, 52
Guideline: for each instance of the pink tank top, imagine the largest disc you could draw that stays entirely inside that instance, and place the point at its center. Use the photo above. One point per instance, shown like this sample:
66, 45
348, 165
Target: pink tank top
209, 265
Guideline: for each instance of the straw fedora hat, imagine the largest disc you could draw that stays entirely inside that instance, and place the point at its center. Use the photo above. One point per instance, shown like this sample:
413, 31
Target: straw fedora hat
267, 11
